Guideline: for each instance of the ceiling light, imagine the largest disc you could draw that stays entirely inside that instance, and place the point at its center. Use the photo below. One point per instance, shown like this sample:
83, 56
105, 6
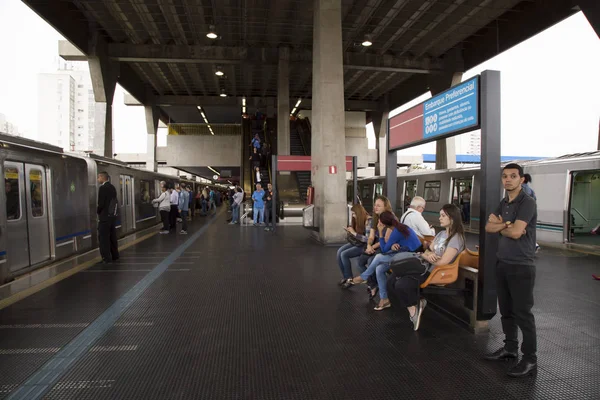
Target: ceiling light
293, 111
244, 101
298, 103
212, 34
223, 94
219, 71
368, 41
214, 170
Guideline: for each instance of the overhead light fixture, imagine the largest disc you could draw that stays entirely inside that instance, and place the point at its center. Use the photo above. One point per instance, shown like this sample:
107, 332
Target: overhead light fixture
214, 170
244, 101
367, 41
223, 94
219, 71
298, 103
293, 111
212, 33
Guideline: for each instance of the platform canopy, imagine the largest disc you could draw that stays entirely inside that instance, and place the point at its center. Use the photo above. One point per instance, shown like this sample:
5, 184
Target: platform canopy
166, 57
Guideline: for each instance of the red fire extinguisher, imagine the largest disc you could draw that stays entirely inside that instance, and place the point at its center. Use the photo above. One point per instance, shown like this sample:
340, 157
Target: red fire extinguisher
310, 195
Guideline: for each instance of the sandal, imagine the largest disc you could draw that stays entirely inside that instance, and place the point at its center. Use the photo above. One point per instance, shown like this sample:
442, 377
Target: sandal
347, 284
385, 305
373, 292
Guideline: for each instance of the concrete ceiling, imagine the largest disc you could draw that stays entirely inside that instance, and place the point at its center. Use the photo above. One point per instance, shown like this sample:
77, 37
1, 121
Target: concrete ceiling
207, 173
163, 52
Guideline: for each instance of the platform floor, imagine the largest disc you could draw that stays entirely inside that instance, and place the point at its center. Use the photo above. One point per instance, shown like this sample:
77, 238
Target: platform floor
239, 313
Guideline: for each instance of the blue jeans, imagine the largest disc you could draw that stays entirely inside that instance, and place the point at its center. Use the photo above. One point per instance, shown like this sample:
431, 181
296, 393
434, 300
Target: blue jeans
260, 211
204, 208
379, 266
235, 216
344, 254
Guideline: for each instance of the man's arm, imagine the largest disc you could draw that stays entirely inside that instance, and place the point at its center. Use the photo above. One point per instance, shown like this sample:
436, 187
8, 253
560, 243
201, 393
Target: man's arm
524, 216
101, 199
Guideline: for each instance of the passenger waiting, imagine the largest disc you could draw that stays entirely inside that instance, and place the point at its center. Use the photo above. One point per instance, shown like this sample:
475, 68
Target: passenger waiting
257, 177
409, 273
255, 143
183, 207
413, 218
237, 203
164, 207
174, 209
391, 232
380, 205
259, 205
358, 234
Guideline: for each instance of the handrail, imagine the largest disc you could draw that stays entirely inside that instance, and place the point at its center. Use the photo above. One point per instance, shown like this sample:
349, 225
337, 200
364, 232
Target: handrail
580, 214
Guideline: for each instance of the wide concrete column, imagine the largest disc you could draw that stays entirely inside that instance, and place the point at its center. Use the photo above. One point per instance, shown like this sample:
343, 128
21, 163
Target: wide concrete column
380, 119
591, 10
152, 117
283, 103
445, 151
104, 73
328, 122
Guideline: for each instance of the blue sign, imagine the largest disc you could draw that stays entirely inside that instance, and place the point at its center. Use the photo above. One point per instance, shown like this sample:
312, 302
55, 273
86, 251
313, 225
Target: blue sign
453, 110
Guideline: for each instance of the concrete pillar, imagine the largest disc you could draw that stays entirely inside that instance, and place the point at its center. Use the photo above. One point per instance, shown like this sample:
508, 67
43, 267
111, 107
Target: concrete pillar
445, 152
152, 117
591, 10
328, 122
283, 103
104, 73
380, 119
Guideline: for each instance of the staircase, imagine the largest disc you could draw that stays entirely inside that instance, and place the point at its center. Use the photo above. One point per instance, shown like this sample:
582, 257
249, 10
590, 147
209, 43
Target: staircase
297, 148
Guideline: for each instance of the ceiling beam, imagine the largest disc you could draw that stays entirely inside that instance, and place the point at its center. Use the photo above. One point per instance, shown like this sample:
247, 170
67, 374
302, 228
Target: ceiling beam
165, 101
174, 53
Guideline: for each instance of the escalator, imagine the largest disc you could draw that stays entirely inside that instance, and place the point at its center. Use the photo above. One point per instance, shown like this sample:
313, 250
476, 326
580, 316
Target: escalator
300, 146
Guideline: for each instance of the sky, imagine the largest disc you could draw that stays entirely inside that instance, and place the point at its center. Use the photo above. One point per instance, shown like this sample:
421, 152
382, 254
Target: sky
550, 86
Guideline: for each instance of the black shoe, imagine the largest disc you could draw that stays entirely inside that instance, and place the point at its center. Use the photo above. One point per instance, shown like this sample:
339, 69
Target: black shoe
103, 262
501, 355
340, 283
522, 369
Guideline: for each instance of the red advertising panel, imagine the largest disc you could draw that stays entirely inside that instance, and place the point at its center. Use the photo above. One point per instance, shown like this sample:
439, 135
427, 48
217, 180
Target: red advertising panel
302, 163
407, 127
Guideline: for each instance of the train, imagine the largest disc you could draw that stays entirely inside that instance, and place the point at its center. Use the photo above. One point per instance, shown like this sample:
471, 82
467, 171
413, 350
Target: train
50, 200
567, 190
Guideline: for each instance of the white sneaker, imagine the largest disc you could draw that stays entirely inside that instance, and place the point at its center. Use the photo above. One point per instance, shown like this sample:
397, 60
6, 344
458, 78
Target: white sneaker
164, 232
183, 232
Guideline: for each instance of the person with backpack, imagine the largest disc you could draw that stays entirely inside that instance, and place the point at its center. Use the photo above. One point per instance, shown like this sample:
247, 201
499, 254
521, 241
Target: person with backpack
107, 214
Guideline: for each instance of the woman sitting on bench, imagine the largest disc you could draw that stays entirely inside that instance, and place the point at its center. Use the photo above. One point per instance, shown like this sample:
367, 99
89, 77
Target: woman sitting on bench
391, 232
409, 273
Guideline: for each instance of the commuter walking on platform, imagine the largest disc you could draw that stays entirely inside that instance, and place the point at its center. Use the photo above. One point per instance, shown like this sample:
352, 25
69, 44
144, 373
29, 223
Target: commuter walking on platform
515, 221
184, 206
268, 198
164, 208
107, 215
259, 205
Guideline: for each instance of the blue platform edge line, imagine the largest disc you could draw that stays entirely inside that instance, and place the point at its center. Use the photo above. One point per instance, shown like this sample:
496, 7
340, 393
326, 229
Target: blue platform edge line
58, 239
476, 159
42, 381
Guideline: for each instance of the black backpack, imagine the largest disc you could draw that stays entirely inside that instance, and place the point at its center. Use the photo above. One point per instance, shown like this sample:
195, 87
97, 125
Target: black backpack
113, 207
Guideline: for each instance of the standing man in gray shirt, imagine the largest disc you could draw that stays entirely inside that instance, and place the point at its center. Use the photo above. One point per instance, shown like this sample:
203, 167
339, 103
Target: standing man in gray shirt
515, 220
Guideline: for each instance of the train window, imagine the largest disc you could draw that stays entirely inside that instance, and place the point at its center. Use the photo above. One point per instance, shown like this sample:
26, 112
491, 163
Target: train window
11, 187
366, 191
127, 191
146, 192
432, 191
122, 190
378, 189
37, 190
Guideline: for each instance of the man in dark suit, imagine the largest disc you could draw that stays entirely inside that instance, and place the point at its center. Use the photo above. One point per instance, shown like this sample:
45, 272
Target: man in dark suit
107, 214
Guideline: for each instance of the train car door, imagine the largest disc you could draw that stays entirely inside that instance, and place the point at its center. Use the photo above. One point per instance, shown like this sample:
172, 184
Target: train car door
38, 225
28, 237
461, 196
409, 192
127, 214
583, 217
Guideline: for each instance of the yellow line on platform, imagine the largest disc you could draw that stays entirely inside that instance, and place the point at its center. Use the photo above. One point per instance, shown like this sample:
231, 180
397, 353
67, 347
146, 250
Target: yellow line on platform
63, 275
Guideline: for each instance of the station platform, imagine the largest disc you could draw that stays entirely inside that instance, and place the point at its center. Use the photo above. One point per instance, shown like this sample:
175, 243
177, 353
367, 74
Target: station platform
231, 312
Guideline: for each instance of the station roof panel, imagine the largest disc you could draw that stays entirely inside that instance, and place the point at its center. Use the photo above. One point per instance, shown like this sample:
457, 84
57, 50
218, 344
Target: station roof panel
163, 48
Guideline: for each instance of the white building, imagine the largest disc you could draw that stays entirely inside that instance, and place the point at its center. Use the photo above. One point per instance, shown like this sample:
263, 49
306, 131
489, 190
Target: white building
8, 127
66, 110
